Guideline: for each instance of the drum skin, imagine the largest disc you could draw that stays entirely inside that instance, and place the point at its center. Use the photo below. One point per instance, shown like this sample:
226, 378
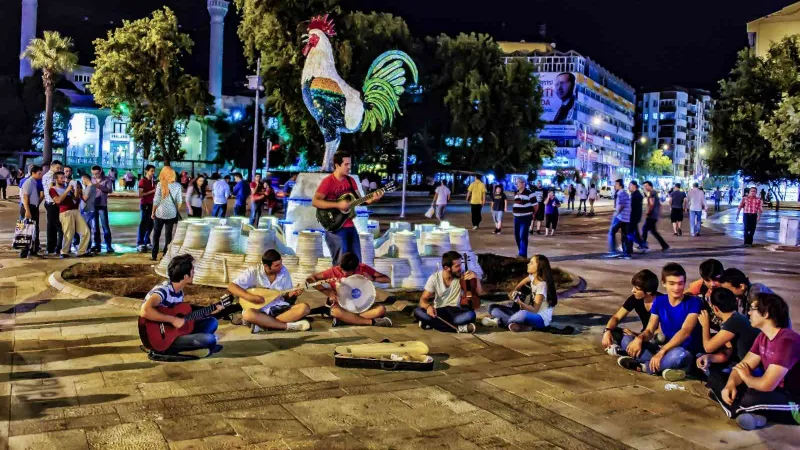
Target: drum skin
356, 293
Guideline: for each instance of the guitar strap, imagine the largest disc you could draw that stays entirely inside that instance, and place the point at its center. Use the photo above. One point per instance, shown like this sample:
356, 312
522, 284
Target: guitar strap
350, 182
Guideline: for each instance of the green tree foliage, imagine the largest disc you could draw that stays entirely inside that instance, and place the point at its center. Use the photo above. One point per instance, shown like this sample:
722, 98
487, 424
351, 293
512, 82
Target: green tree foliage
139, 69
22, 108
236, 139
54, 56
657, 164
782, 128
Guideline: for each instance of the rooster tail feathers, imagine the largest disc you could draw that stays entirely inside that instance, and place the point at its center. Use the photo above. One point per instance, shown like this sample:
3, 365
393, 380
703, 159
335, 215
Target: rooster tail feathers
383, 86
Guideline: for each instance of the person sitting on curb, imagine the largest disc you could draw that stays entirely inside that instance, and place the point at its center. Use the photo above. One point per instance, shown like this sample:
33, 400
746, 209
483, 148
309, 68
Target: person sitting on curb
676, 313
774, 396
710, 273
734, 339
739, 284
281, 313
645, 290
349, 266
525, 316
440, 306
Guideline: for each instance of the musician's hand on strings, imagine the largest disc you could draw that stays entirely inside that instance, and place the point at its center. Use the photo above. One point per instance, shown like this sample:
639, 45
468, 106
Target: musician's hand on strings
257, 299
178, 322
296, 292
343, 205
431, 311
218, 308
378, 195
469, 275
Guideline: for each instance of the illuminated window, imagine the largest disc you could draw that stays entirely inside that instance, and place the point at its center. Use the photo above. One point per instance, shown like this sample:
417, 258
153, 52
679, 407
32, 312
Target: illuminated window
120, 128
90, 124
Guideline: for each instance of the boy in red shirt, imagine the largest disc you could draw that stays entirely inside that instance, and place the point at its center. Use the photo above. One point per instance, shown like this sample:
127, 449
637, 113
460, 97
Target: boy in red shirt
67, 197
350, 266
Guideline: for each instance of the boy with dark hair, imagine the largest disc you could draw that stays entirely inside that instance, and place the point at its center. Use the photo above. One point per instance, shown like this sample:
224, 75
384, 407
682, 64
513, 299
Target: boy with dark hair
775, 395
201, 342
375, 316
645, 290
710, 273
676, 314
737, 282
735, 329
241, 191
440, 306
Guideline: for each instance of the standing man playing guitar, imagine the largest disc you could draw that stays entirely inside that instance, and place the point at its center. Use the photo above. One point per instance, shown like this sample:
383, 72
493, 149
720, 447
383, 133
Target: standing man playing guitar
282, 313
201, 342
330, 189
350, 266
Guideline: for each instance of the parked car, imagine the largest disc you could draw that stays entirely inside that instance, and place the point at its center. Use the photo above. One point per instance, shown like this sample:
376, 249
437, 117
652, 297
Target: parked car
606, 192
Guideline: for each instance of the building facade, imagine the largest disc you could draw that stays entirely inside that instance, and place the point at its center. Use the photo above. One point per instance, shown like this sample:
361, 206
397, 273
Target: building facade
761, 33
678, 121
589, 112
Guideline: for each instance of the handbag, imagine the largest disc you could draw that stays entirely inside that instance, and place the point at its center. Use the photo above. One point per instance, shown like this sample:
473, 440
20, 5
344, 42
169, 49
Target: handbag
23, 234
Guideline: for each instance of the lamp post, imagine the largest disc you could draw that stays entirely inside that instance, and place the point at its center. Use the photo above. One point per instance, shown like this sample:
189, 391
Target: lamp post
643, 140
254, 83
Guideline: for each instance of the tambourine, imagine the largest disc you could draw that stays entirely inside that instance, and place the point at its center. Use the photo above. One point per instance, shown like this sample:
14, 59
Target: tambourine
356, 293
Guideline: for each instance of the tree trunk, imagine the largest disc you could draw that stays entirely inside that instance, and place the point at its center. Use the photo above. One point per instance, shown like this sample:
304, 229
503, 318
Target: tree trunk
47, 150
164, 153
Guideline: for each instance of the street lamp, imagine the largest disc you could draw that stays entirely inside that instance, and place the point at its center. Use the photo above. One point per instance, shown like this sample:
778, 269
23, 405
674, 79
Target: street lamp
643, 140
254, 83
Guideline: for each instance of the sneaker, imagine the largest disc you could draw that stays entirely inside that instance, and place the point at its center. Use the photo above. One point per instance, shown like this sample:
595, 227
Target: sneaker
300, 325
140, 248
109, 250
673, 374
680, 232
382, 322
236, 319
611, 255
336, 322
216, 349
619, 249
468, 328
749, 421
519, 327
199, 353
665, 249
530, 232
616, 350
474, 228
423, 326
86, 255
65, 256
643, 250
627, 257
255, 329
491, 322
626, 362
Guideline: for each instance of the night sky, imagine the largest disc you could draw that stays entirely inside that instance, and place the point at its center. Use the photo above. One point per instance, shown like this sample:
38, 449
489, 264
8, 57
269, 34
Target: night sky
692, 43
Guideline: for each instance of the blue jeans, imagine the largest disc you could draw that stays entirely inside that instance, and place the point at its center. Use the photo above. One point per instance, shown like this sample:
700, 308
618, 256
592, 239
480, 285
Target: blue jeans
521, 226
514, 314
145, 224
695, 219
618, 225
239, 210
256, 210
343, 241
101, 219
219, 210
455, 315
677, 358
88, 217
202, 336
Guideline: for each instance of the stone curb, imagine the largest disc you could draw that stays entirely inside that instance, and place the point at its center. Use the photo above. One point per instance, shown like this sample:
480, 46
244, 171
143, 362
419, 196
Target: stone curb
57, 282
782, 248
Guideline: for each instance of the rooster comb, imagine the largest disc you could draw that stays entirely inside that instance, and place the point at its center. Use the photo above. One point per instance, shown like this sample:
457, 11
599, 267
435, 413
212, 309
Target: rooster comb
322, 23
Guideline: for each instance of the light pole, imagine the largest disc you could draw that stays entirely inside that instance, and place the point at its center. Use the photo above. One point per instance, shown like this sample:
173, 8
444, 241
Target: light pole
643, 140
255, 84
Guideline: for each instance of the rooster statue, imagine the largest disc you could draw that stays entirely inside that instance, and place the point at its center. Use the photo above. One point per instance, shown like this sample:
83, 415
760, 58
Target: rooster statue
337, 107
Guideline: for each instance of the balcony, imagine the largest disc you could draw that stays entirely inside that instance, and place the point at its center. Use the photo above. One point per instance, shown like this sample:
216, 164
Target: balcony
666, 132
667, 108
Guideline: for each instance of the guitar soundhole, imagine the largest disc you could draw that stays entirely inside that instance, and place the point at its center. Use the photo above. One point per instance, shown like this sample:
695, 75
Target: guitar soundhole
355, 293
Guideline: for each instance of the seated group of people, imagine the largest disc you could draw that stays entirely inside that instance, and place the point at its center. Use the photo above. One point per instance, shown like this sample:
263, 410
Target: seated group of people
752, 366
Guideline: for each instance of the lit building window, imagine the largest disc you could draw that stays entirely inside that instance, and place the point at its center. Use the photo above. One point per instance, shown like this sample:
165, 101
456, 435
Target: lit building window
120, 128
90, 124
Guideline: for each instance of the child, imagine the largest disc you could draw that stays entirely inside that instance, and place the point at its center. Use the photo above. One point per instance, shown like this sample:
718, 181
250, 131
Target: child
551, 213
499, 205
735, 329
676, 313
537, 314
645, 290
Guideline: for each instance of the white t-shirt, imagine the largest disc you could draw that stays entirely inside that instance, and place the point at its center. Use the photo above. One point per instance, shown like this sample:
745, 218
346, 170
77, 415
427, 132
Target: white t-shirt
582, 193
444, 295
697, 200
592, 194
373, 185
444, 193
545, 310
256, 277
365, 183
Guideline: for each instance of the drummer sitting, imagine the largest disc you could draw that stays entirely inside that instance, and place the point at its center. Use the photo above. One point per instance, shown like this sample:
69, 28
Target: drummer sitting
351, 266
281, 313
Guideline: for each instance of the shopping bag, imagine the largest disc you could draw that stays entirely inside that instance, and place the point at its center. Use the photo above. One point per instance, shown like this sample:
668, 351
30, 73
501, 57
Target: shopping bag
23, 234
430, 212
704, 215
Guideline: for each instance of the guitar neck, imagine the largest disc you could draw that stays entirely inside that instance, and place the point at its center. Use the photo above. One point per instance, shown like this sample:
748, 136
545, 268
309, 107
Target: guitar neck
364, 199
304, 288
201, 313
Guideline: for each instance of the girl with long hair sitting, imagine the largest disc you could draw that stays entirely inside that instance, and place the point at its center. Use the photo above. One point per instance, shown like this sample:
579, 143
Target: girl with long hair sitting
535, 314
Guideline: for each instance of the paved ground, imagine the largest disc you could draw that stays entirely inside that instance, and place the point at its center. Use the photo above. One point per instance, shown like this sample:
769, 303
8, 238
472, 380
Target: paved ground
72, 376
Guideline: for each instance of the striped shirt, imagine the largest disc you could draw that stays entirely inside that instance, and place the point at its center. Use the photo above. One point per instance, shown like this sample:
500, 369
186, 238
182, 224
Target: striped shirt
167, 294
623, 206
751, 205
522, 203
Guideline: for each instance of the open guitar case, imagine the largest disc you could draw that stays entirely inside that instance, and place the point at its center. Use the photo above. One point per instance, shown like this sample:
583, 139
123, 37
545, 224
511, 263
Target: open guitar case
383, 362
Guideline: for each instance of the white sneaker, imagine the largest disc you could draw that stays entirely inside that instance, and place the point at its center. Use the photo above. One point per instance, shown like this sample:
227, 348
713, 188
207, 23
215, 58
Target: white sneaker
300, 325
255, 328
490, 322
615, 350
468, 328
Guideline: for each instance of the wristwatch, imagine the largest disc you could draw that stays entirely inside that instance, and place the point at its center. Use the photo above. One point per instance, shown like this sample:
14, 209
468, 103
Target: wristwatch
606, 329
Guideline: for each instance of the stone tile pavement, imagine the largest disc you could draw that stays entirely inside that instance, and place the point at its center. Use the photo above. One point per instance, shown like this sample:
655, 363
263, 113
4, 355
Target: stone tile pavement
72, 375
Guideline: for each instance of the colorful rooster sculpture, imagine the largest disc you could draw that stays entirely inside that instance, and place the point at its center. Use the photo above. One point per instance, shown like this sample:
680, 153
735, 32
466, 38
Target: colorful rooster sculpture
337, 107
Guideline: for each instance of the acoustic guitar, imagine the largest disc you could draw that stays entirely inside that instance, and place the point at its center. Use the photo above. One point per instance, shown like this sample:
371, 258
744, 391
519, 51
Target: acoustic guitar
271, 294
159, 336
333, 219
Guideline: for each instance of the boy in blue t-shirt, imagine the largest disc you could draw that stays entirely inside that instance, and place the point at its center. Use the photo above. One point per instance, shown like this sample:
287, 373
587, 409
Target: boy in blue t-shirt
676, 313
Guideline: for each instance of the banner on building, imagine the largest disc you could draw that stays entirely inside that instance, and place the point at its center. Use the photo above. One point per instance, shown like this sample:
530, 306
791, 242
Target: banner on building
559, 132
559, 92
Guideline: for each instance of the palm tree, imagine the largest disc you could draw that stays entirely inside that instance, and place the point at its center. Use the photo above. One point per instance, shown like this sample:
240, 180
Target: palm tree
53, 54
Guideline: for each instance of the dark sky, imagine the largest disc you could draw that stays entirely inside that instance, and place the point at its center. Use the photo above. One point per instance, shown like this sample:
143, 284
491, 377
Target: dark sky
649, 44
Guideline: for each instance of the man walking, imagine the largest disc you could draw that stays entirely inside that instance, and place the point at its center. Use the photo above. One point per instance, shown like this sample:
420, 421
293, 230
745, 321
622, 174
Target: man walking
147, 189
5, 175
637, 199
221, 192
538, 214
441, 196
717, 199
242, 192
697, 204
753, 208
583, 194
54, 232
619, 221
523, 215
30, 194
104, 186
476, 196
571, 198
651, 217
677, 200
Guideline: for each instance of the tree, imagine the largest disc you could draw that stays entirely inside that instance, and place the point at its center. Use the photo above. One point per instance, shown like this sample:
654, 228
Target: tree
236, 139
652, 162
22, 114
494, 108
139, 71
54, 56
782, 129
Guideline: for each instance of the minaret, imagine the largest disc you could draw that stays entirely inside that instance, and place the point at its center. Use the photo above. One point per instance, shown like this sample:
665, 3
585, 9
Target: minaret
28, 33
217, 9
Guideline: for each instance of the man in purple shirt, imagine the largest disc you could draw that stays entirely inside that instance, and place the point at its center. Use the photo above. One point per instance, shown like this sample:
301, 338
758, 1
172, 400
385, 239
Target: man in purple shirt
104, 186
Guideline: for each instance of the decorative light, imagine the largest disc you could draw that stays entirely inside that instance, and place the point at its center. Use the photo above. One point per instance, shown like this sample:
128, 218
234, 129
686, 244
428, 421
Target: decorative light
643, 140
596, 120
236, 116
